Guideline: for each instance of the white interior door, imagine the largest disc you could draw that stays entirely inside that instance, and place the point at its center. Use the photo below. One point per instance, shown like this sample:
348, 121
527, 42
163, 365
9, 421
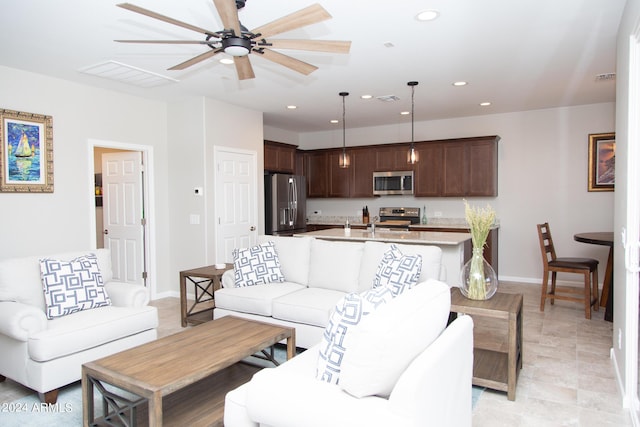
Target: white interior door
123, 214
236, 202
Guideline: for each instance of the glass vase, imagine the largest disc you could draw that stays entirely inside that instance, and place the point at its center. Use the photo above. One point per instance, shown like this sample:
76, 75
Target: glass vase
478, 279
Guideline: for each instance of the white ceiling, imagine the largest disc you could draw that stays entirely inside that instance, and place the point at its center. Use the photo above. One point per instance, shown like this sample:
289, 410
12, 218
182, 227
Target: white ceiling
518, 55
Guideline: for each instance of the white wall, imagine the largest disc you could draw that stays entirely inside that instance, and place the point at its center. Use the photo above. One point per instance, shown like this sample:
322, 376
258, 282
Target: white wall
625, 319
542, 163
239, 128
196, 126
182, 135
281, 135
186, 134
33, 224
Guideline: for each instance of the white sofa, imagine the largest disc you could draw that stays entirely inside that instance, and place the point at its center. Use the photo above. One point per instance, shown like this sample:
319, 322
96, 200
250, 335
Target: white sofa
317, 274
45, 354
432, 389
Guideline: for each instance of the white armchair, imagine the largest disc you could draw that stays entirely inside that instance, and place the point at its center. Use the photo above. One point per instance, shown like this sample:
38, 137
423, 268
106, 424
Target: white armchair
45, 354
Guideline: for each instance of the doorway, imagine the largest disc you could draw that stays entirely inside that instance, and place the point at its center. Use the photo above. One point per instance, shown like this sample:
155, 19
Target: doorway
236, 210
132, 256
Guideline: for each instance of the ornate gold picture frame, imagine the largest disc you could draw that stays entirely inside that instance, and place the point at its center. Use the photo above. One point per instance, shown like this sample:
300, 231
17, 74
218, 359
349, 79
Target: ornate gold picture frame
26, 152
602, 161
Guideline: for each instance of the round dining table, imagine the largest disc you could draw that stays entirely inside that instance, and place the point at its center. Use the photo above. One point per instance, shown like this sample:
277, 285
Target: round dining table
604, 238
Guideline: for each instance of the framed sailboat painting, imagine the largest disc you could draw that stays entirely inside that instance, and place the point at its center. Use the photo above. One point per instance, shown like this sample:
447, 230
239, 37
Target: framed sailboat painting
26, 152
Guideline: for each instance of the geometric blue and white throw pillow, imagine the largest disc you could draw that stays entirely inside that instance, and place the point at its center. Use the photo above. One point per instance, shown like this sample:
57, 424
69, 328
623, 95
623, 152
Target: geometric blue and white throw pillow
397, 271
72, 286
349, 312
256, 265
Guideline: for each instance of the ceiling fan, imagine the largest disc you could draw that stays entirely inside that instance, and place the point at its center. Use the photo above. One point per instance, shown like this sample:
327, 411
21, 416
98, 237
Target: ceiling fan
239, 42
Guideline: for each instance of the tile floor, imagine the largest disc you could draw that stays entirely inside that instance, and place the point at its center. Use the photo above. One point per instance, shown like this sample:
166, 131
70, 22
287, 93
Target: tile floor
567, 377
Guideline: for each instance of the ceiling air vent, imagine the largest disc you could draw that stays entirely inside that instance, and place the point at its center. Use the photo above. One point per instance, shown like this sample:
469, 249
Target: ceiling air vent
605, 77
129, 74
388, 98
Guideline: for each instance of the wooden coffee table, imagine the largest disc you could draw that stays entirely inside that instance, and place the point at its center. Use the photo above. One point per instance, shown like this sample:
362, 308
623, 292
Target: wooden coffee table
177, 371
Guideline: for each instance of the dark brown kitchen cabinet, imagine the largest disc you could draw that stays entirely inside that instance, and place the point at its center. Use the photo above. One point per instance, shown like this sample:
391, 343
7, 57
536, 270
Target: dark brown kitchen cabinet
299, 163
483, 168
462, 167
429, 169
338, 185
363, 162
279, 157
455, 165
457, 168
316, 169
392, 157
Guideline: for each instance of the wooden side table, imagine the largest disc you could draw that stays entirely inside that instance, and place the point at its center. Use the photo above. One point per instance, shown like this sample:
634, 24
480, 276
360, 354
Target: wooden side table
495, 366
206, 280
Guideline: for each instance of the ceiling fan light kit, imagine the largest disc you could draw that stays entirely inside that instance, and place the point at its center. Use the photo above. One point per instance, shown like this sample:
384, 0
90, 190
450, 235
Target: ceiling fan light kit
344, 161
238, 42
236, 46
412, 155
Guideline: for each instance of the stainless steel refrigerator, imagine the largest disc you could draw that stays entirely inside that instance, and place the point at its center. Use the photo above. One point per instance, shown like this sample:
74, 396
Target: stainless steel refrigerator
285, 204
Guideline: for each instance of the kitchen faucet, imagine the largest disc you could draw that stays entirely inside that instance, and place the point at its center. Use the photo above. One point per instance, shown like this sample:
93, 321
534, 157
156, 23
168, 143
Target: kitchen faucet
373, 224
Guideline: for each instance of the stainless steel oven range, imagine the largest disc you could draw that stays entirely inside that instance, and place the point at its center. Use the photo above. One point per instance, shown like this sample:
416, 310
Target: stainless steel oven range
401, 218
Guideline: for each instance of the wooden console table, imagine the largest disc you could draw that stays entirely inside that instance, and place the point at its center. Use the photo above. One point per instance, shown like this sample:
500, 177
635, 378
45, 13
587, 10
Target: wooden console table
495, 365
206, 280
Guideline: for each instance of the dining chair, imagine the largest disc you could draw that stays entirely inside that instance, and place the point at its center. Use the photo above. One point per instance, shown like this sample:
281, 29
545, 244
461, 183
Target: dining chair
588, 267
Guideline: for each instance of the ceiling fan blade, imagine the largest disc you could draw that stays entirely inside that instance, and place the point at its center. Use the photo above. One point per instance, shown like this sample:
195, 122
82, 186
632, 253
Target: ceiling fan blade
243, 67
289, 62
195, 60
229, 15
334, 46
303, 17
160, 17
169, 41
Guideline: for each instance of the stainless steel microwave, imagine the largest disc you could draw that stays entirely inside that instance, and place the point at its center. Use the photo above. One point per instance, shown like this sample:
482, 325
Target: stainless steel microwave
395, 182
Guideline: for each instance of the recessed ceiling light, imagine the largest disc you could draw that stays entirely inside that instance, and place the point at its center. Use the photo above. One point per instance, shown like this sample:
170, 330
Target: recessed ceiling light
460, 83
226, 61
333, 121
291, 107
485, 104
405, 113
427, 15
366, 96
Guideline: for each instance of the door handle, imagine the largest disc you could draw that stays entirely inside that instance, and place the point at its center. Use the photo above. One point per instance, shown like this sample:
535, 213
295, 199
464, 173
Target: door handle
105, 232
252, 228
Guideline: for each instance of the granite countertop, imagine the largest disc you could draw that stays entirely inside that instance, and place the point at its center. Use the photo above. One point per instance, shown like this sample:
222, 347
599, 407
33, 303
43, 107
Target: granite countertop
392, 236
354, 220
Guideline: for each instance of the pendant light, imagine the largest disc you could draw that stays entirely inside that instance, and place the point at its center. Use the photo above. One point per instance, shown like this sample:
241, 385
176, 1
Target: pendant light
412, 155
344, 160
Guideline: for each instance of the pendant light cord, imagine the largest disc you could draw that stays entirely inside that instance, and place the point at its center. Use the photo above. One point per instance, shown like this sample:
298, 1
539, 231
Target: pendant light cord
412, 155
344, 125
413, 91
344, 160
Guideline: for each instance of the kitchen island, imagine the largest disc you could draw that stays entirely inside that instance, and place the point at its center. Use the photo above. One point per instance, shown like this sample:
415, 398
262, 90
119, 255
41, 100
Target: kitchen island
452, 244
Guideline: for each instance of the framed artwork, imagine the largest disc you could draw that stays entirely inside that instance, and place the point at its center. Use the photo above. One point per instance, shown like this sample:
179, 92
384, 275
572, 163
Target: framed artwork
26, 152
602, 161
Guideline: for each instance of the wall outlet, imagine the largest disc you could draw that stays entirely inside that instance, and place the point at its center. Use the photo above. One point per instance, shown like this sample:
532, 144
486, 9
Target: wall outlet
437, 214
